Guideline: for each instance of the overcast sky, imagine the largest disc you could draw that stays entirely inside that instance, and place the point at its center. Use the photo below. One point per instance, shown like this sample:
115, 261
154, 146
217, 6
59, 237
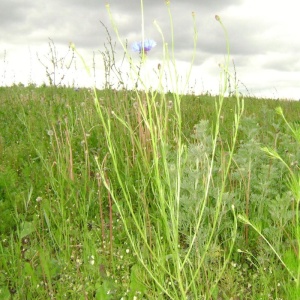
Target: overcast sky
263, 35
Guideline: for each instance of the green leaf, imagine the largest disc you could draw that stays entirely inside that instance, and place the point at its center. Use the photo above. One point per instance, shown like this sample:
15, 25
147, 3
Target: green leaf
4, 293
105, 291
27, 228
291, 261
136, 285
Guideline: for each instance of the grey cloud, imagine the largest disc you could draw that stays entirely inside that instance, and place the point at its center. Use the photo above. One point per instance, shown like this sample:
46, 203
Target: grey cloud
288, 63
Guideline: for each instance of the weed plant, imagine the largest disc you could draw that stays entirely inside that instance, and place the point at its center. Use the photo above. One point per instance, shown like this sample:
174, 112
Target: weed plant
142, 194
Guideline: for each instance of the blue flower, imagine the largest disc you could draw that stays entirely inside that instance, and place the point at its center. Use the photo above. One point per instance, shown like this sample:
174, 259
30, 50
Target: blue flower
147, 45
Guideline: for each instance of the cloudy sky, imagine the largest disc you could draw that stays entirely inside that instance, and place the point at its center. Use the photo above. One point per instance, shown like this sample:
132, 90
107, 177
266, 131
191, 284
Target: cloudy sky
263, 36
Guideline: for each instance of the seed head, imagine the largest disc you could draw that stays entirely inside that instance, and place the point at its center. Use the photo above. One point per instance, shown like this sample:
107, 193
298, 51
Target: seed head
50, 132
38, 199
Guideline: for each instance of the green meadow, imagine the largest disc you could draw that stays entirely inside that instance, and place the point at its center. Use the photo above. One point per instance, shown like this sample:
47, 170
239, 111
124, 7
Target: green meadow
112, 208
142, 194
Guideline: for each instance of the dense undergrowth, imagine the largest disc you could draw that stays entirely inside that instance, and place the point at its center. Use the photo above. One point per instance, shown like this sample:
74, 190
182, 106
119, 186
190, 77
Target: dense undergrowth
87, 211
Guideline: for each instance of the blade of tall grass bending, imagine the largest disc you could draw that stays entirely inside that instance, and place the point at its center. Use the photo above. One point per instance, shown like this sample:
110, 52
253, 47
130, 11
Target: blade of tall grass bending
246, 221
143, 30
224, 72
295, 132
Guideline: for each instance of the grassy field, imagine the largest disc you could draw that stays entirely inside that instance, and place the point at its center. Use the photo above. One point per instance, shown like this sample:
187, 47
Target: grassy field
138, 194
134, 195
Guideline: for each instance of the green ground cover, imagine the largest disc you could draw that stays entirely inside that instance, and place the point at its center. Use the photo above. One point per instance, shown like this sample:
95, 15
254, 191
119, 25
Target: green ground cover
129, 195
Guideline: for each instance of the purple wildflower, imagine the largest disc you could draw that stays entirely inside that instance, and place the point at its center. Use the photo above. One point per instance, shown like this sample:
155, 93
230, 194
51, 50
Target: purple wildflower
145, 46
